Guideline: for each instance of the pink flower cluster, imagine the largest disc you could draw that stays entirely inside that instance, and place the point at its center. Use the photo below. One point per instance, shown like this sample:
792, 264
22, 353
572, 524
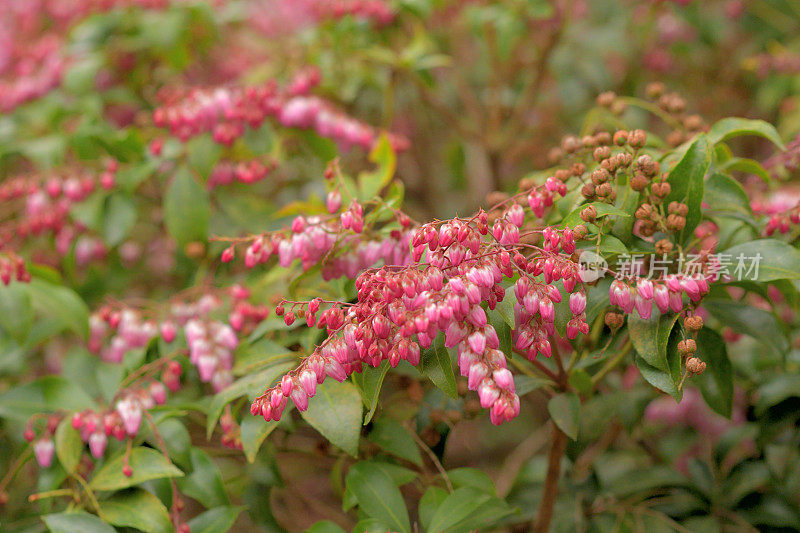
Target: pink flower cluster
667, 294
284, 17
46, 210
248, 172
211, 342
311, 239
227, 112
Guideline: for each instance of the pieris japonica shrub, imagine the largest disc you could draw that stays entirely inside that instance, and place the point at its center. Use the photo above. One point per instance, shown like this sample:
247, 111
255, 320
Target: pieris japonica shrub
252, 280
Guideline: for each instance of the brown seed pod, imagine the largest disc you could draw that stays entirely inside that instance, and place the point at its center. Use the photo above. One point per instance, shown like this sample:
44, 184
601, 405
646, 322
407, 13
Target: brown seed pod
604, 189
693, 323
620, 137
637, 138
661, 190
655, 89
676, 223
579, 232
603, 138
618, 107
664, 246
599, 176
647, 228
644, 212
606, 99
614, 320
562, 174
695, 365
687, 346
601, 152
589, 213
577, 169
588, 191
570, 144
639, 182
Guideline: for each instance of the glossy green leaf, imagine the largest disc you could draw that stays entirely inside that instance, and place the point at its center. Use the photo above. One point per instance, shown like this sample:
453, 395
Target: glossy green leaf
731, 127
564, 409
335, 411
136, 508
438, 367
61, 303
217, 520
16, 311
748, 166
369, 382
716, 383
762, 260
395, 439
204, 484
250, 386
77, 522
650, 337
69, 445
660, 379
687, 183
429, 503
744, 318
378, 496
325, 526
146, 463
254, 430
726, 195
603, 210
119, 216
186, 208
47, 394
456, 507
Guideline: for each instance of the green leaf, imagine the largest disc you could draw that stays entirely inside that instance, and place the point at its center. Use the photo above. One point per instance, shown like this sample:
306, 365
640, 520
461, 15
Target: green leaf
203, 154
603, 210
762, 260
686, 181
325, 526
471, 477
658, 378
47, 394
16, 311
371, 183
744, 318
456, 507
61, 303
254, 430
204, 484
395, 439
250, 386
429, 503
146, 463
725, 194
77, 522
369, 382
335, 411
580, 380
731, 127
748, 166
186, 209
217, 520
716, 383
564, 409
69, 445
650, 338
119, 216
438, 367
136, 508
378, 496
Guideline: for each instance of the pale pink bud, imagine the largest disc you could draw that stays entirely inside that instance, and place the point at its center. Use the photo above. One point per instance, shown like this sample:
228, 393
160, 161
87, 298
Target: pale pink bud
97, 444
477, 342
504, 379
661, 295
158, 392
333, 201
645, 289
43, 450
308, 381
131, 414
488, 393
477, 372
300, 398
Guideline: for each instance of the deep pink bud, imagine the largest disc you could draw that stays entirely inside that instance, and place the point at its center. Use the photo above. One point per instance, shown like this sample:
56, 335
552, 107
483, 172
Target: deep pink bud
287, 385
333, 201
488, 393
